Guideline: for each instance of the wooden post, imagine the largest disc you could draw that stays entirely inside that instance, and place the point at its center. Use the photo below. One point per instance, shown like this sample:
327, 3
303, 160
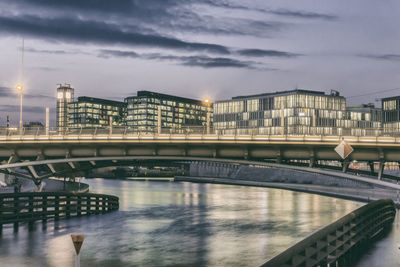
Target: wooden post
56, 207
68, 206
79, 208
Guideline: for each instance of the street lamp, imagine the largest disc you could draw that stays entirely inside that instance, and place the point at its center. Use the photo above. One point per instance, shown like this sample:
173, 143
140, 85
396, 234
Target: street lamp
20, 89
208, 102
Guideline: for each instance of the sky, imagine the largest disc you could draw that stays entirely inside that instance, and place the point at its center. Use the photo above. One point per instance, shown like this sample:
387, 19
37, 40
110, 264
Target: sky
199, 49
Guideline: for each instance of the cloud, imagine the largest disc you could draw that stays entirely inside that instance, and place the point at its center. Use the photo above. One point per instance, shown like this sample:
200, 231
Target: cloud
84, 31
191, 61
6, 92
265, 53
9, 92
56, 52
105, 53
279, 12
303, 14
28, 109
387, 57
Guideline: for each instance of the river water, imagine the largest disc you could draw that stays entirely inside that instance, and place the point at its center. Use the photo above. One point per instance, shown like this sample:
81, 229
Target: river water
177, 224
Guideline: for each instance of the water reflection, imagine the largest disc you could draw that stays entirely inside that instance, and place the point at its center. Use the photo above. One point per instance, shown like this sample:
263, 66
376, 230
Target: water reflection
167, 224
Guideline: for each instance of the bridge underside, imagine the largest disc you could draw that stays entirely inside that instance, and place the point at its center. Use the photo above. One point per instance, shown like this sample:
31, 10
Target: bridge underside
45, 159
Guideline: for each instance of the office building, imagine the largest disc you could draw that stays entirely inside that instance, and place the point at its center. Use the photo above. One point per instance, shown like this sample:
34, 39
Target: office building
65, 95
176, 112
95, 112
363, 120
391, 114
298, 111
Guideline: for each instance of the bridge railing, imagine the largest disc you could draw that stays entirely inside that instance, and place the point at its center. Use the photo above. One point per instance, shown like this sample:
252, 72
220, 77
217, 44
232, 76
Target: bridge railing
197, 130
29, 207
341, 242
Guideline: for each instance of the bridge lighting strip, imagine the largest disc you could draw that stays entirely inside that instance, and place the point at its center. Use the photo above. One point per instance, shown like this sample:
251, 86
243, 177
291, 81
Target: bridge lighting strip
264, 138
196, 137
211, 137
57, 137
116, 137
277, 138
386, 140
132, 137
85, 137
368, 140
230, 138
178, 137
146, 137
243, 137
71, 137
163, 137
100, 137
334, 139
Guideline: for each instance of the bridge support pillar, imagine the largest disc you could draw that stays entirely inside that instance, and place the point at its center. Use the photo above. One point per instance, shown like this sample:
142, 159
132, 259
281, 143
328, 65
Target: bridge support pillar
345, 165
381, 168
371, 166
312, 163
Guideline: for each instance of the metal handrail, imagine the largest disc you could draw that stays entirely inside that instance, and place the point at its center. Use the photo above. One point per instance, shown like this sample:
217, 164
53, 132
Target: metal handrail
340, 240
32, 206
370, 134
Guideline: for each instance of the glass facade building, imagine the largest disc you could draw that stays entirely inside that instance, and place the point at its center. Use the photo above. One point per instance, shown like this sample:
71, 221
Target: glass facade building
298, 111
65, 95
176, 112
364, 120
391, 114
95, 112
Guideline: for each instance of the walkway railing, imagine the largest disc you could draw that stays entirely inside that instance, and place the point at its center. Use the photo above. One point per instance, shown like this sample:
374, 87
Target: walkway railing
201, 130
30, 207
187, 133
341, 242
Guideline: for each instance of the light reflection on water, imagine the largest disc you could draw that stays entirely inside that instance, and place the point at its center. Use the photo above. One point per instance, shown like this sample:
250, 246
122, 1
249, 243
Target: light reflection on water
172, 224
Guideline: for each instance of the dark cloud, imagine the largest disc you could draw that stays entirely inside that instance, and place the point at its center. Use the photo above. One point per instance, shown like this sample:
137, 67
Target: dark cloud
55, 52
191, 61
279, 12
105, 53
218, 62
303, 14
387, 57
83, 31
9, 92
26, 109
46, 68
6, 92
265, 53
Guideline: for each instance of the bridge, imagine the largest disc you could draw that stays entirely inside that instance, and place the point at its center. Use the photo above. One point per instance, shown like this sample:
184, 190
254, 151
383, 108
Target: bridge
45, 153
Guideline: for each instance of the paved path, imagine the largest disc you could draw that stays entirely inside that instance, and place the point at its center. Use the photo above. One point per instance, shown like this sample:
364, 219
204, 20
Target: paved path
359, 194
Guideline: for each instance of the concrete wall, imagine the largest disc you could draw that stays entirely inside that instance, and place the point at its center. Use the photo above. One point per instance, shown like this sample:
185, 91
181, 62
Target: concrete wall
268, 174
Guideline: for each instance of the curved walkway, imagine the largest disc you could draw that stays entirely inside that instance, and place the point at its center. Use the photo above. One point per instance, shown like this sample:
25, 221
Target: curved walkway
371, 181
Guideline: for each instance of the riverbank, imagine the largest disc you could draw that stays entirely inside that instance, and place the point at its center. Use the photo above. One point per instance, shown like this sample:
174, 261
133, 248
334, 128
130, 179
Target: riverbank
357, 194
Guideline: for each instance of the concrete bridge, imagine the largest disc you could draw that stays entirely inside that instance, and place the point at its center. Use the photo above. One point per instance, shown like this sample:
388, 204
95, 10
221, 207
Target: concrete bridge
45, 155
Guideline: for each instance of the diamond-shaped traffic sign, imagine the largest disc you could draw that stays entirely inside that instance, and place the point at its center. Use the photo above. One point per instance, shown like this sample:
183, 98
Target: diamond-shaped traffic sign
344, 149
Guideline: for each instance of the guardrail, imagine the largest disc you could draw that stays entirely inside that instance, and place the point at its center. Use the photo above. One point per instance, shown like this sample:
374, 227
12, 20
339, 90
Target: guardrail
201, 130
29, 207
43, 134
341, 242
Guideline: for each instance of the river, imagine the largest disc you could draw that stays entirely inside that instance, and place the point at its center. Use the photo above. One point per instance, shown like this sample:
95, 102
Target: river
177, 224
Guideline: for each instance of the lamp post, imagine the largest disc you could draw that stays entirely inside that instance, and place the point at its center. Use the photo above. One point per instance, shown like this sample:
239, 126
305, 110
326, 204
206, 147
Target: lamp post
208, 102
20, 89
